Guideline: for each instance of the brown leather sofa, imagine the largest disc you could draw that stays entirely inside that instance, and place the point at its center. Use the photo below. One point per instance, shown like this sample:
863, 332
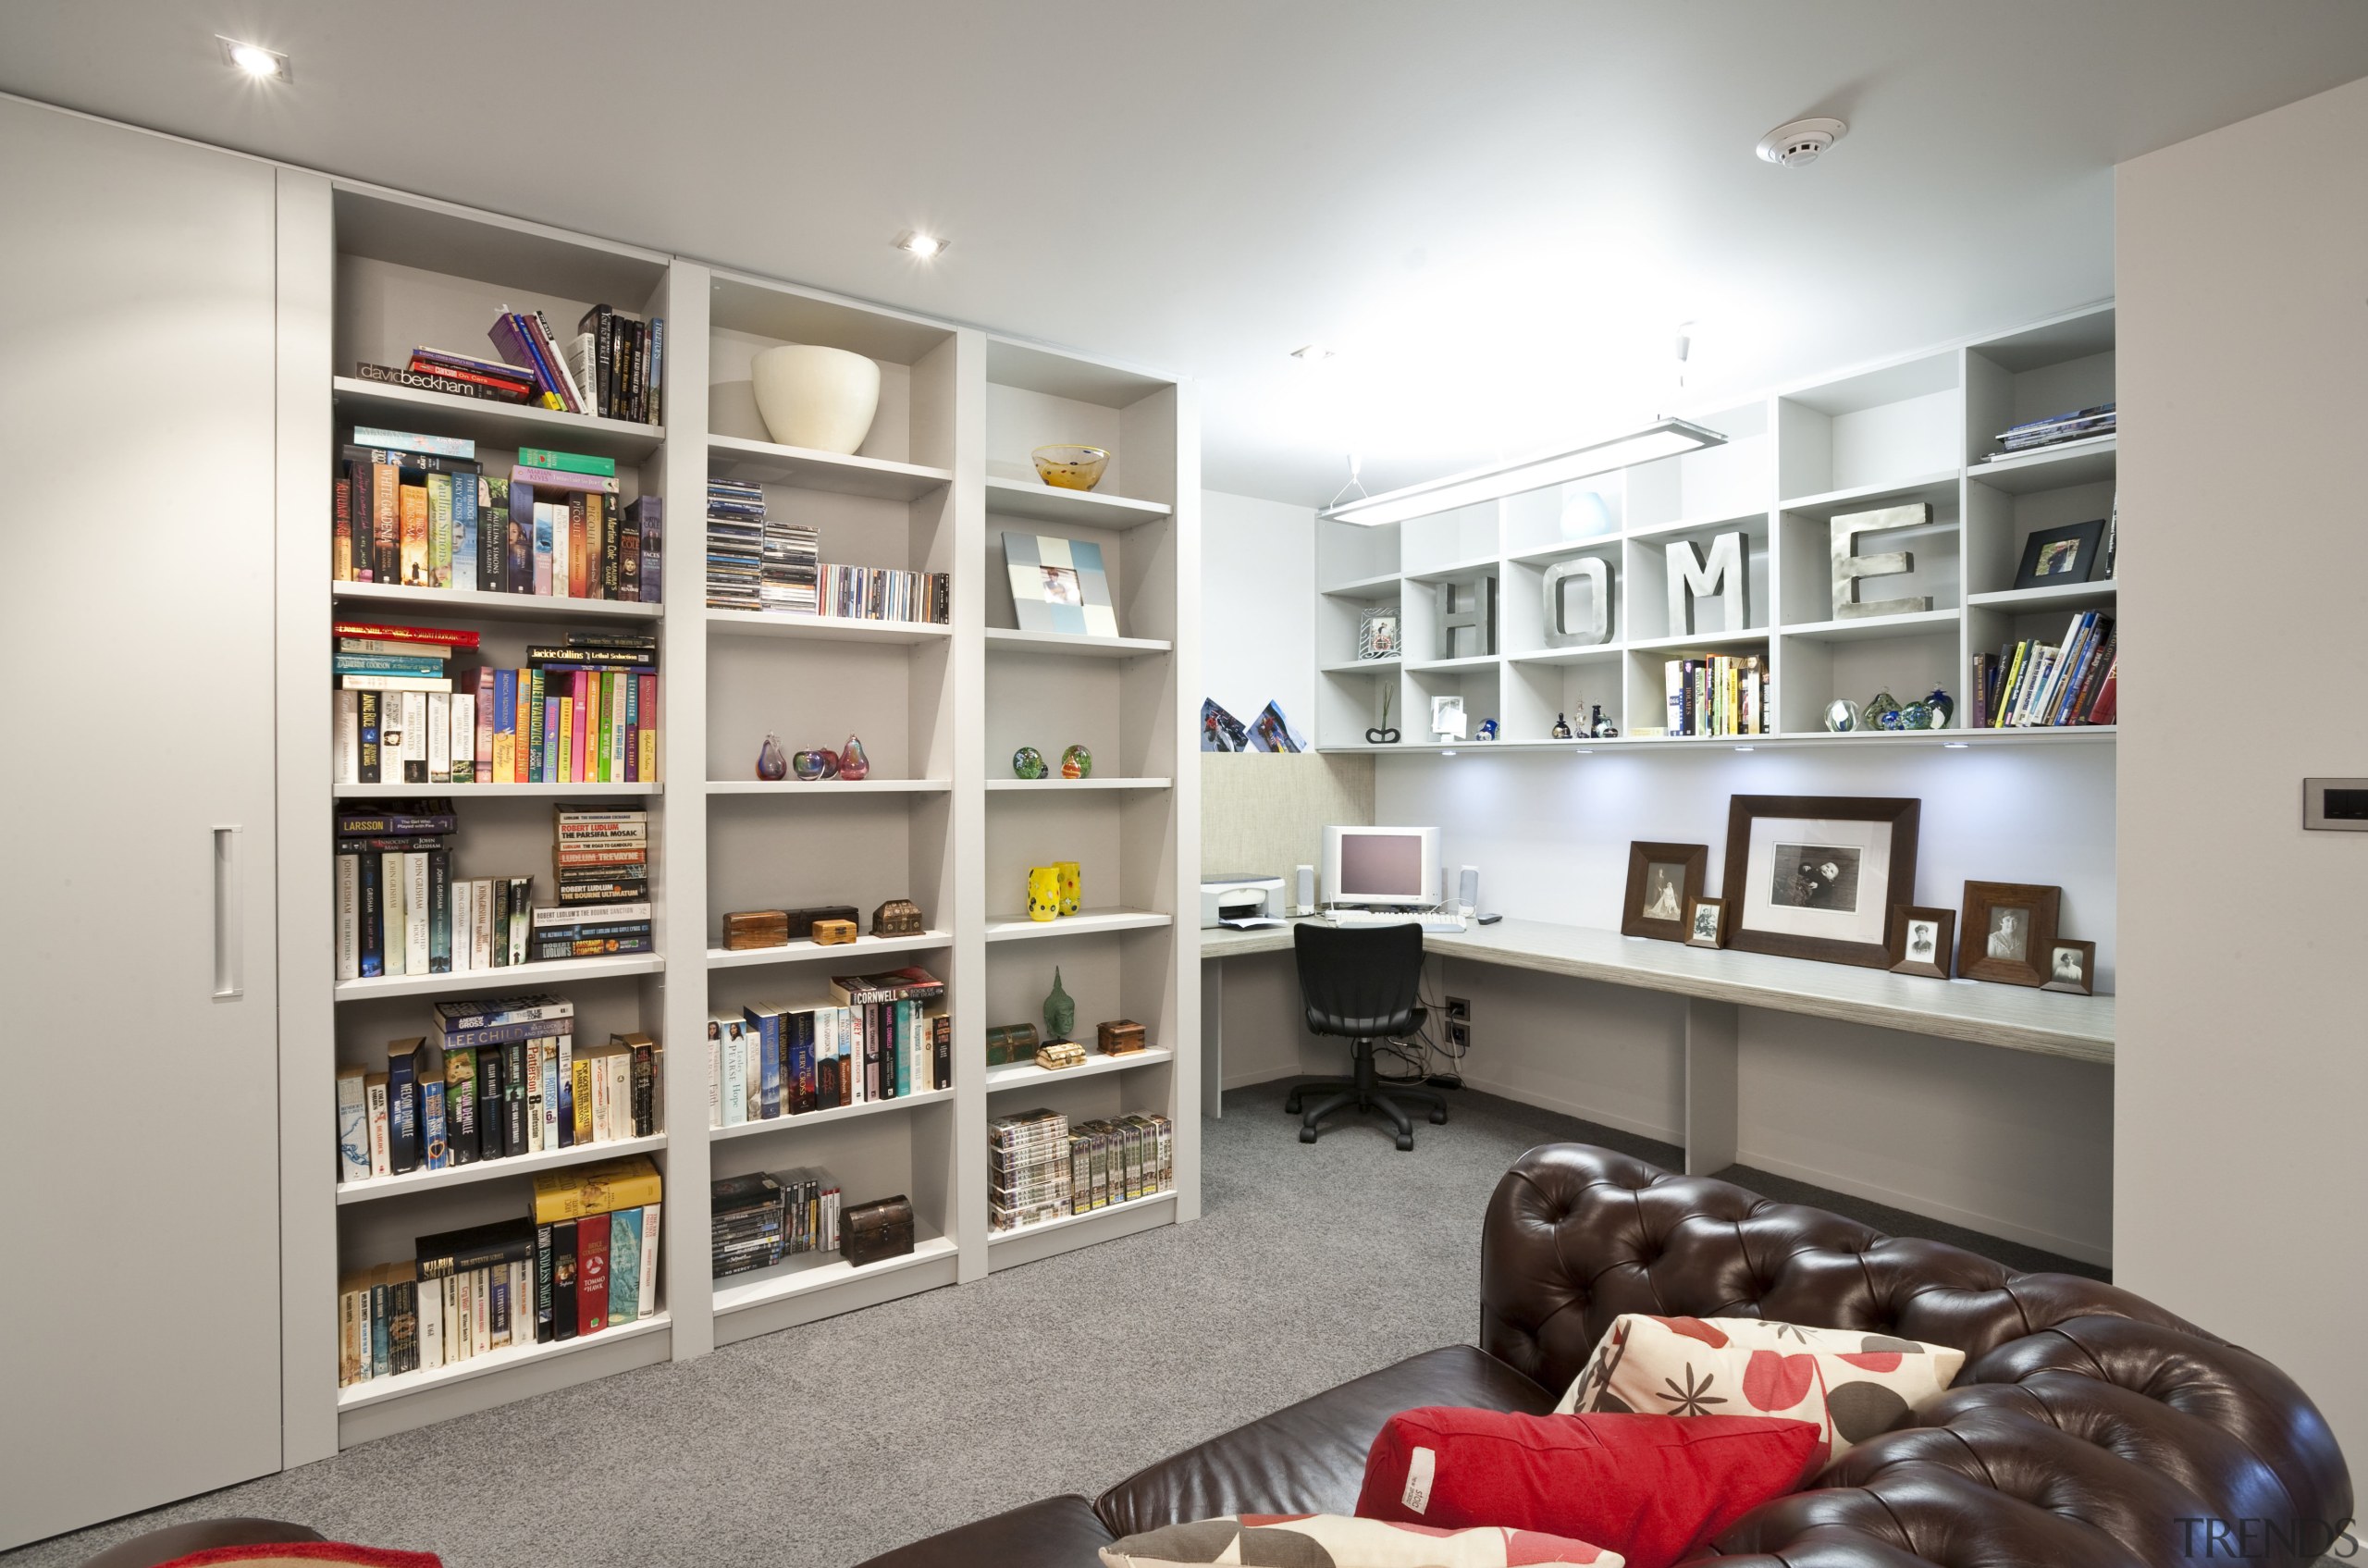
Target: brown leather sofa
2089, 1429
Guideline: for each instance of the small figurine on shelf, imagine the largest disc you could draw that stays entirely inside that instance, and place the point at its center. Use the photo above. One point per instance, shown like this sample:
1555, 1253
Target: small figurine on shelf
1938, 708
1562, 726
854, 763
1599, 727
1381, 733
1028, 763
1882, 713
1060, 1011
1487, 730
772, 762
1076, 762
1043, 892
1072, 886
1842, 716
820, 763
898, 917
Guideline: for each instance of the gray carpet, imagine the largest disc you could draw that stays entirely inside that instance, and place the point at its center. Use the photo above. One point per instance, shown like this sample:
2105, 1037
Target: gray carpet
822, 1446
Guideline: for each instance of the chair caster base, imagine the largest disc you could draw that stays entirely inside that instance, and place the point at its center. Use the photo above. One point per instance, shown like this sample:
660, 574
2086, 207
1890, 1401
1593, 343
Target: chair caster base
1439, 1119
1307, 1135
1291, 1107
1405, 1141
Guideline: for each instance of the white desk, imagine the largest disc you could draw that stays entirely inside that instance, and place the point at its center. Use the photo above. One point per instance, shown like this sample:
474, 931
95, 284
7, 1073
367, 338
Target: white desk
1715, 985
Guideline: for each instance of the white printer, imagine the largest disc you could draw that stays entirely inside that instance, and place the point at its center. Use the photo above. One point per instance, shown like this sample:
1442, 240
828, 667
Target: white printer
1230, 898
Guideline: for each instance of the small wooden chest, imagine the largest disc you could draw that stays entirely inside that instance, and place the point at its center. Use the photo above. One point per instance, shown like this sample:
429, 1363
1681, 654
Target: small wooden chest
832, 934
1118, 1037
801, 921
869, 1232
1009, 1043
743, 929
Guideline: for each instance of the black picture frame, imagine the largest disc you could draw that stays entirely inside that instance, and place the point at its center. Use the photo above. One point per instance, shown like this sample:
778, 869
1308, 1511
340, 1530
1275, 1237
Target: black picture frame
2045, 566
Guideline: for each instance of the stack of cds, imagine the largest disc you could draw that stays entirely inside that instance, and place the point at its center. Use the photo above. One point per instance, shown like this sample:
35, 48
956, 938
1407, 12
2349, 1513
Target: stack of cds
735, 544
761, 1218
1028, 1169
793, 569
2055, 431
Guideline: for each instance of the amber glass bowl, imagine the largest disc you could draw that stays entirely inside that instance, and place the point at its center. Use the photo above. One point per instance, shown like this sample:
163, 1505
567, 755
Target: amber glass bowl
1071, 468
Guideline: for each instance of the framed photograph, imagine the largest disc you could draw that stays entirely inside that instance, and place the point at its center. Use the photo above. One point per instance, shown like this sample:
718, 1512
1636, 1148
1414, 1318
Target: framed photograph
1706, 922
1377, 633
1059, 585
1814, 876
2009, 929
2071, 966
1922, 941
2072, 553
1664, 880
1448, 722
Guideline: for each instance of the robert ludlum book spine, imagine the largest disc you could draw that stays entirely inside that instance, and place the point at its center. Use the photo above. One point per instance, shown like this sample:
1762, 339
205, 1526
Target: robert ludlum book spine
461, 1104
492, 1143
402, 1109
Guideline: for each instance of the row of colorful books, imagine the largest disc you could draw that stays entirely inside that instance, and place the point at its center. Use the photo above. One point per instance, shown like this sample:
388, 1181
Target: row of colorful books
600, 868
422, 512
499, 1078
2037, 685
581, 710
614, 365
875, 1037
756, 1221
583, 1259
1723, 694
1040, 1167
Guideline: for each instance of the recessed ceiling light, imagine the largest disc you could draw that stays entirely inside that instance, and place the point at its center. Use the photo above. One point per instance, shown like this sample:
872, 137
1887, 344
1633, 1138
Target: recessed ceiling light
255, 60
1799, 143
913, 242
1312, 352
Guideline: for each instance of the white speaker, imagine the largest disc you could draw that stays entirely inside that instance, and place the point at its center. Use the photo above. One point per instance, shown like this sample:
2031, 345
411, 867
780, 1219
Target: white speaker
1306, 892
1467, 889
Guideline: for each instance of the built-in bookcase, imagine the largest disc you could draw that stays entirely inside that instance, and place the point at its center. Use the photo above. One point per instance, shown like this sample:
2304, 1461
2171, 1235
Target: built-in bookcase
1911, 430
940, 819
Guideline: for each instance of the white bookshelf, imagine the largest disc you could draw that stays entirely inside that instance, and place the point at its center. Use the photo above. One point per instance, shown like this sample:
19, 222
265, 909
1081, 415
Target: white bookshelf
1909, 430
940, 818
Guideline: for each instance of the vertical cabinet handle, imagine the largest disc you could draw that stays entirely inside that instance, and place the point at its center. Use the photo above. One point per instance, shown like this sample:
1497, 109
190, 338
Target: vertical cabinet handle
229, 923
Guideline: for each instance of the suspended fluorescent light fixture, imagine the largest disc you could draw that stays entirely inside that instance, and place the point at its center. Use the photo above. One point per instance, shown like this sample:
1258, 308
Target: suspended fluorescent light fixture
1667, 438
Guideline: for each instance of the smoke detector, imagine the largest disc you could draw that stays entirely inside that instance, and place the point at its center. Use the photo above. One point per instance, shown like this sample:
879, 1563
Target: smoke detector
1800, 141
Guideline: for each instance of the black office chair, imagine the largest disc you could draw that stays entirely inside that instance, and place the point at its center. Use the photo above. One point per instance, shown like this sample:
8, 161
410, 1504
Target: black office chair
1360, 983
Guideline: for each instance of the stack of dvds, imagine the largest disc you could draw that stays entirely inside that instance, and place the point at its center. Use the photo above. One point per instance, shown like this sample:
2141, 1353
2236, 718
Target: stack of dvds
1028, 1169
2056, 430
735, 544
792, 569
763, 1218
600, 865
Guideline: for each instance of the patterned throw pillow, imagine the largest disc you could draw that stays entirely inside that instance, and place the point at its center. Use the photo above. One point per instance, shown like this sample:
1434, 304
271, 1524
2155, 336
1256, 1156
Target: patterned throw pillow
1334, 1540
1852, 1385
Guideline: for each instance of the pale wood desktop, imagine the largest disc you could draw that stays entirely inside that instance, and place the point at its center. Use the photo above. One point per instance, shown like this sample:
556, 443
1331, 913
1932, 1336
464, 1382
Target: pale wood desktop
1716, 985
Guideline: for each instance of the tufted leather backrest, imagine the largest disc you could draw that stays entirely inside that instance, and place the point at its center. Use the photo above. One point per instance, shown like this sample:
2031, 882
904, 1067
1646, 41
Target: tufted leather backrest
2089, 1425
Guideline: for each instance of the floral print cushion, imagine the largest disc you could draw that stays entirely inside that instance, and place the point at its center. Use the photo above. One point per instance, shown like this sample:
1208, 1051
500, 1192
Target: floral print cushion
1851, 1385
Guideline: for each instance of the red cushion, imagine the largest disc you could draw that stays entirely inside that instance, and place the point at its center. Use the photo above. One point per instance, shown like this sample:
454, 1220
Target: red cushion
1651, 1488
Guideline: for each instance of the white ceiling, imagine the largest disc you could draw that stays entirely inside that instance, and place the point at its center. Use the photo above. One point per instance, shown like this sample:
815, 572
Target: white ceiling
1495, 211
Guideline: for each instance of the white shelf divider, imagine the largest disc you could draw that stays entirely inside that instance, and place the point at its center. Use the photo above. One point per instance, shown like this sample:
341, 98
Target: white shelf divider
818, 1271
763, 624
478, 603
817, 789
1088, 509
379, 1187
1020, 927
1028, 1075
532, 977
507, 426
379, 1390
1003, 639
735, 457
498, 791
856, 954
836, 1113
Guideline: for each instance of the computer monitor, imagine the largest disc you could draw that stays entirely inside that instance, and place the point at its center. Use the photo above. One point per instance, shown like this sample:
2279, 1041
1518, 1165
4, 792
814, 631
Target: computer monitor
1364, 867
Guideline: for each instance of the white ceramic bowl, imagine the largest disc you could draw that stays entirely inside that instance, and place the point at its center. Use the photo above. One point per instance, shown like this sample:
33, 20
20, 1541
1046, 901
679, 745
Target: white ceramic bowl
813, 397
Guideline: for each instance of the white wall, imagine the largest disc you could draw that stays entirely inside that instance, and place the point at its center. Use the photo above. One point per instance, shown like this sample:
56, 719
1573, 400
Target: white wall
2006, 1143
2244, 1065
1257, 595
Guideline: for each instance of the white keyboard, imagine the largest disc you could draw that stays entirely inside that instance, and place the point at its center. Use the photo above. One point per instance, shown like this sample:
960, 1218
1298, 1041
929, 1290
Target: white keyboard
1430, 920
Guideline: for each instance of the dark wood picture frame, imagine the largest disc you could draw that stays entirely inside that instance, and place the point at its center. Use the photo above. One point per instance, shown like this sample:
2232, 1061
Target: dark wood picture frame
2090, 541
1717, 910
1695, 857
1945, 941
1905, 818
1982, 899
2087, 984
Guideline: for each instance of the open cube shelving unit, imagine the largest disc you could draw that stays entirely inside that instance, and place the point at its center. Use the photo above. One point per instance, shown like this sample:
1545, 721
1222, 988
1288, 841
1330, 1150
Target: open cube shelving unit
940, 819
1913, 429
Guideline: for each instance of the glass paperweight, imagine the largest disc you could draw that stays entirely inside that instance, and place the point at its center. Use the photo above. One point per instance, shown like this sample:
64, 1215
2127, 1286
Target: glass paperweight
1842, 715
1027, 763
772, 762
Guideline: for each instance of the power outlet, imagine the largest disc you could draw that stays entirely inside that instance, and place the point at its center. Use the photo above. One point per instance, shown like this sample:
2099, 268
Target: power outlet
1458, 1034
1459, 1009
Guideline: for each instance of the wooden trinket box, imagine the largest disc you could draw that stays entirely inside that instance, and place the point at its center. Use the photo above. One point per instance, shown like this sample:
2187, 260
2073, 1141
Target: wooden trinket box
1118, 1037
833, 934
898, 917
1010, 1043
743, 929
801, 921
1061, 1054
869, 1232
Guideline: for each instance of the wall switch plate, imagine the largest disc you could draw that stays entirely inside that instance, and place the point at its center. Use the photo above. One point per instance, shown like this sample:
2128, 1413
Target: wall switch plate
2336, 804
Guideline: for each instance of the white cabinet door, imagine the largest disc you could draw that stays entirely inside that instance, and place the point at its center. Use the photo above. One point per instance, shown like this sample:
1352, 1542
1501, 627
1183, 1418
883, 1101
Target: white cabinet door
139, 1251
